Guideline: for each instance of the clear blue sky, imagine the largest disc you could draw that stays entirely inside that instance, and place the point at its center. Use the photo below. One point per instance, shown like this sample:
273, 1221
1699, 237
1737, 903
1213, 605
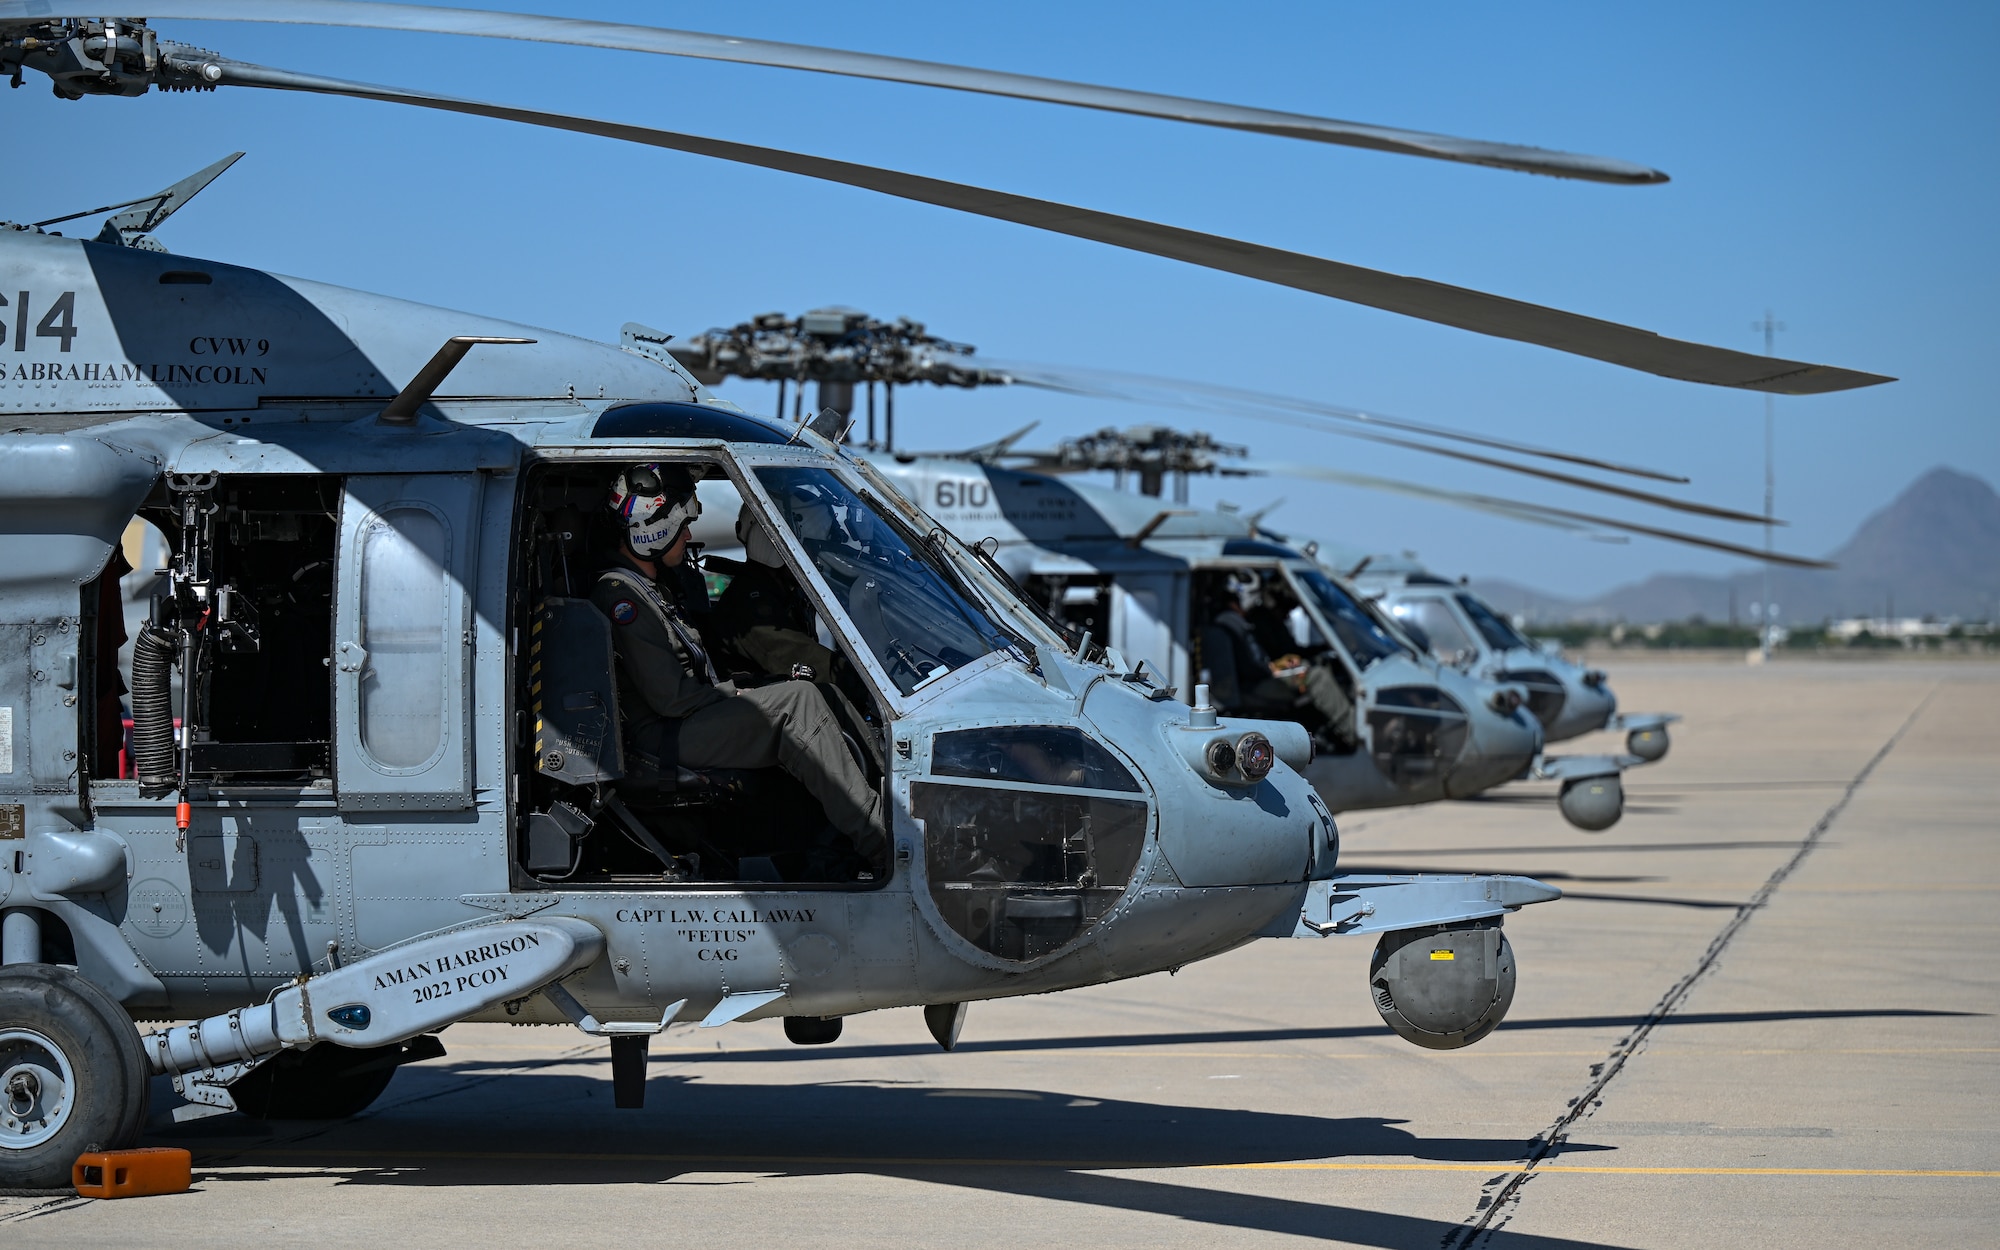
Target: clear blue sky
1835, 162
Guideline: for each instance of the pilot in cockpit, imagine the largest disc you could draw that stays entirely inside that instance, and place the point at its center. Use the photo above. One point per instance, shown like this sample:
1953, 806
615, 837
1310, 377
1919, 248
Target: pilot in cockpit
762, 619
764, 627
1246, 681
677, 709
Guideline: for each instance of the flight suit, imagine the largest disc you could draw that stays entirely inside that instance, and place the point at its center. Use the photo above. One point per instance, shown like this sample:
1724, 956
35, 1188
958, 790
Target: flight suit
764, 622
1242, 684
1329, 695
1239, 670
676, 709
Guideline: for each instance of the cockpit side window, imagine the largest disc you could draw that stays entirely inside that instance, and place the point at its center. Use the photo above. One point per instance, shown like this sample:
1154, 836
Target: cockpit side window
1360, 634
1034, 838
1447, 638
1498, 633
1036, 755
908, 608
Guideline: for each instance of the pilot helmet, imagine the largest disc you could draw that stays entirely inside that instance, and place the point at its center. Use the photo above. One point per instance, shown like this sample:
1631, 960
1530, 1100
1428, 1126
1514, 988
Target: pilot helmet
810, 511
757, 545
860, 525
1247, 590
657, 502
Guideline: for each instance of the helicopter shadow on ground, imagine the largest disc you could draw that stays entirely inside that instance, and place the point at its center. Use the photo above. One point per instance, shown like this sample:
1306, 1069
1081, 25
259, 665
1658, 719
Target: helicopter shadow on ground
550, 1128
1126, 1042
445, 1112
1123, 1044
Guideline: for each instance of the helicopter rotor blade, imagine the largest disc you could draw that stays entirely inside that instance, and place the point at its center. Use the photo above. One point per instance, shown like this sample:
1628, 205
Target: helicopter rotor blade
628, 38
1582, 483
1235, 401
1416, 297
1561, 518
1510, 509
1073, 382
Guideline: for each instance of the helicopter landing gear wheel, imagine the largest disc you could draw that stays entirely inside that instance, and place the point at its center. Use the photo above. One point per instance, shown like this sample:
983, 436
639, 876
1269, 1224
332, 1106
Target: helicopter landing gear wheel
1648, 744
72, 1075
323, 1082
1593, 804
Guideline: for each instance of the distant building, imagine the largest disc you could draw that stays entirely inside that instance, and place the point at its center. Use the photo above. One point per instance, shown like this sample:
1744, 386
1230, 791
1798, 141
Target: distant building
1905, 629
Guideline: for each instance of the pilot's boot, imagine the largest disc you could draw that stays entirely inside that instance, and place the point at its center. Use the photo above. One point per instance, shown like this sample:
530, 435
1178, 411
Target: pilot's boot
790, 724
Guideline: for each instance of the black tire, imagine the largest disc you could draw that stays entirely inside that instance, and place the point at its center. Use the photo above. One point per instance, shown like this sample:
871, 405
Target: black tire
138, 1072
323, 1082
52, 1019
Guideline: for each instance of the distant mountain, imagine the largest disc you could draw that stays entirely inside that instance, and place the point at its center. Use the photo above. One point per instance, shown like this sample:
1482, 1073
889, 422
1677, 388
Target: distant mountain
1934, 551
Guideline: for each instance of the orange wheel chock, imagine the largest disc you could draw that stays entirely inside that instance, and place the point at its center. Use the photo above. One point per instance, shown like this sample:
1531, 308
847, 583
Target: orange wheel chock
132, 1173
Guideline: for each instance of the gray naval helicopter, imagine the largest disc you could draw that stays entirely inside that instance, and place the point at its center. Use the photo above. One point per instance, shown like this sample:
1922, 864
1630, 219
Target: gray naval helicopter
1459, 627
391, 792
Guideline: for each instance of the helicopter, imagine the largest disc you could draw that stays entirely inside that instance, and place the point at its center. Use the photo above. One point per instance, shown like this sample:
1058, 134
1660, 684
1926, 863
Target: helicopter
1461, 628
389, 791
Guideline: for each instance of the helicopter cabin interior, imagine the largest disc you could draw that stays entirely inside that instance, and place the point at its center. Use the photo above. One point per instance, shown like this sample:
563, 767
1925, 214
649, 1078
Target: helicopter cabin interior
1124, 611
593, 814
261, 709
1287, 635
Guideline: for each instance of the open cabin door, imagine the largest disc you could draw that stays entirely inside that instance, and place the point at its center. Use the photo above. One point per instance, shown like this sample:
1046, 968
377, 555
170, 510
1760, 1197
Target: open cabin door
403, 642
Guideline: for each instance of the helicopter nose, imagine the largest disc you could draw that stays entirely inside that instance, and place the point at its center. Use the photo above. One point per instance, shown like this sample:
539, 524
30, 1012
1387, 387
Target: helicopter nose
1229, 806
1589, 707
1500, 747
1242, 833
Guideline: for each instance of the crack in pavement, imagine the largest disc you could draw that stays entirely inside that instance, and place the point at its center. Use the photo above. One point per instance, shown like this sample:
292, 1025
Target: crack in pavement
58, 1200
1503, 1192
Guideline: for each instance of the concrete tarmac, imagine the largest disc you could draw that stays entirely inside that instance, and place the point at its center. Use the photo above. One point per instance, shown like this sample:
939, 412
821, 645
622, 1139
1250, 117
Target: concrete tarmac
1767, 1013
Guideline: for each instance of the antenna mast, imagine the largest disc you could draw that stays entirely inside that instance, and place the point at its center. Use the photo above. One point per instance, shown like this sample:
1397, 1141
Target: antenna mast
1770, 326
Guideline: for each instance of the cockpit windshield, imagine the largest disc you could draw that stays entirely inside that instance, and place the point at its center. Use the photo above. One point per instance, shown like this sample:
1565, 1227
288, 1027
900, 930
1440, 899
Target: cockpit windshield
905, 605
981, 572
1442, 634
1498, 633
1360, 634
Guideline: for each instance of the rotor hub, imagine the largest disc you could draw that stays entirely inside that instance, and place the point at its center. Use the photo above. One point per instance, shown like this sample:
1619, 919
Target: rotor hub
838, 345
